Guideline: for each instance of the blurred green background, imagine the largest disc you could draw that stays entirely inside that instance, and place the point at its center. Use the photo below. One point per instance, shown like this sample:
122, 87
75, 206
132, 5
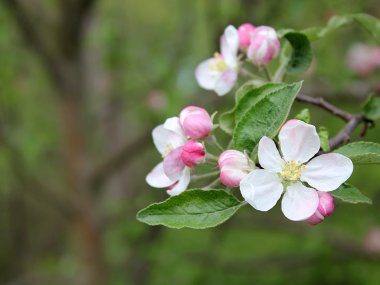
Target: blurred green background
83, 82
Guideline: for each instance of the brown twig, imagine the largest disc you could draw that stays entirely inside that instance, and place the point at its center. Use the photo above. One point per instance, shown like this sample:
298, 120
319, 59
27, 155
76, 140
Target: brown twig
344, 135
322, 103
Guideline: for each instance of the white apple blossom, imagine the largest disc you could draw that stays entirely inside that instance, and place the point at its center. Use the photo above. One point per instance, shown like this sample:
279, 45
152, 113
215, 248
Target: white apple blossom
293, 174
220, 72
171, 173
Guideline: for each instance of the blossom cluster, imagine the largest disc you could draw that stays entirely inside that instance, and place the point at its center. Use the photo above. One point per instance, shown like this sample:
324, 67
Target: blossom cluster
289, 167
258, 44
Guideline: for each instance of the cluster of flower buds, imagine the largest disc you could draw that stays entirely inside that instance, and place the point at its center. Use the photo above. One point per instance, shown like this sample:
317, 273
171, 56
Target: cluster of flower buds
219, 73
176, 140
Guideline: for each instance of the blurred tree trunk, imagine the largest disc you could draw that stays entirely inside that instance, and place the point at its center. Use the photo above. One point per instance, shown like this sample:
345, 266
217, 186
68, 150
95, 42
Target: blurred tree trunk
63, 63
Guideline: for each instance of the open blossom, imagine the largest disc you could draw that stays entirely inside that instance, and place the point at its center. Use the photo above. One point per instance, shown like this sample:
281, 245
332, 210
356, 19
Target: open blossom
245, 33
196, 122
193, 153
299, 143
219, 73
171, 173
325, 208
264, 45
234, 166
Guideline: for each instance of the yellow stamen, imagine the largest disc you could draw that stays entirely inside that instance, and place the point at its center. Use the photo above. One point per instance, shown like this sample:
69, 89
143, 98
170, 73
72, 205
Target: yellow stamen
292, 170
168, 150
219, 64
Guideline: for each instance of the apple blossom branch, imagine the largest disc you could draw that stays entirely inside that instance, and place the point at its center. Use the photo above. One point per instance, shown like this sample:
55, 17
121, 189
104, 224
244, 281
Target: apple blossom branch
352, 120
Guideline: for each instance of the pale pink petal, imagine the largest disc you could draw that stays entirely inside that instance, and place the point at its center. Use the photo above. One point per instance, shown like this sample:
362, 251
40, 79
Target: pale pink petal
165, 139
261, 189
206, 75
157, 177
182, 183
229, 45
298, 141
327, 171
174, 125
226, 82
173, 164
269, 157
299, 202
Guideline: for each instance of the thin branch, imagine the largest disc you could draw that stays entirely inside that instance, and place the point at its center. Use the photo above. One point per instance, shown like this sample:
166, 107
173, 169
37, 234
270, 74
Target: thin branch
344, 135
118, 159
322, 103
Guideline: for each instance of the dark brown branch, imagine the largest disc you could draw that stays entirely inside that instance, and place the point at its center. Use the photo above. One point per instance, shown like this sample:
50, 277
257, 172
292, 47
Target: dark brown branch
119, 158
32, 36
322, 103
344, 135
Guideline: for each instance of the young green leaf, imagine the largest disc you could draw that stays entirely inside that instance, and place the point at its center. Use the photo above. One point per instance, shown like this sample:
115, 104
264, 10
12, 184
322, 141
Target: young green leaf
371, 108
301, 55
265, 116
350, 194
361, 152
195, 209
304, 115
323, 134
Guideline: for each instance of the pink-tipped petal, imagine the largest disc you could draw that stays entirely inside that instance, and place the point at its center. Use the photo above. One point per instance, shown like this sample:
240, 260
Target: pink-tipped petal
226, 82
157, 177
182, 183
173, 164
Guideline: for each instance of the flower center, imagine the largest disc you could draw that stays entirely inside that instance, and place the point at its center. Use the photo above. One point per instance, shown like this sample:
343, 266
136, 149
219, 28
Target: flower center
218, 64
168, 150
292, 170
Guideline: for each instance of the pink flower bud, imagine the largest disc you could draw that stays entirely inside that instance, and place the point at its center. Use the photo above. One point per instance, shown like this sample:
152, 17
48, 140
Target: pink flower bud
264, 45
234, 166
245, 32
193, 153
325, 208
196, 122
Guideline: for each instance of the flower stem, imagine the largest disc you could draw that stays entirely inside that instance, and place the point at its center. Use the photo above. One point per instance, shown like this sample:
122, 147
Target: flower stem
212, 184
216, 143
267, 73
212, 174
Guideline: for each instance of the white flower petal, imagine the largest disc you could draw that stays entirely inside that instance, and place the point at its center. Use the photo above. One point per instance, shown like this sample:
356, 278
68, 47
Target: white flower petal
299, 202
173, 164
157, 177
226, 82
166, 140
182, 183
207, 76
327, 171
229, 45
174, 125
298, 141
261, 189
269, 157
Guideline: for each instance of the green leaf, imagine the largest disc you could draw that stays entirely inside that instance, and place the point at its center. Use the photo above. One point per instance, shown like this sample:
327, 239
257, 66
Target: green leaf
369, 23
371, 108
323, 134
227, 119
195, 209
265, 116
361, 152
350, 194
304, 115
301, 55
